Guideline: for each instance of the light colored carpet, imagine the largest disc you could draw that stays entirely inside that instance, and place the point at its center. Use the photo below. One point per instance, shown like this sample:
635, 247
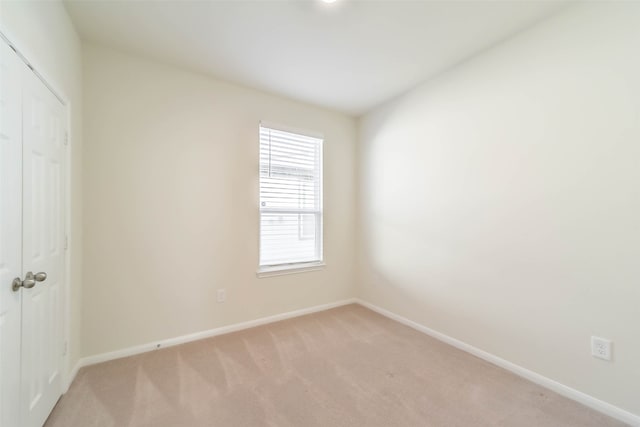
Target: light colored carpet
343, 367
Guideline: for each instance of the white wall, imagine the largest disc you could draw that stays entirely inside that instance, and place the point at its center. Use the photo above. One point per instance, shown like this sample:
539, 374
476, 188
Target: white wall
500, 202
171, 212
43, 32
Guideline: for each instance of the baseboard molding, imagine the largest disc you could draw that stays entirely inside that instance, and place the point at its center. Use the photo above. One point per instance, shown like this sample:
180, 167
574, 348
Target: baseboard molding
72, 375
578, 396
143, 348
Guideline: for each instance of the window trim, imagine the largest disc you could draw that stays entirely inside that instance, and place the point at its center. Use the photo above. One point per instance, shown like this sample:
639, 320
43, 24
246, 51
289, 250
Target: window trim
293, 268
303, 266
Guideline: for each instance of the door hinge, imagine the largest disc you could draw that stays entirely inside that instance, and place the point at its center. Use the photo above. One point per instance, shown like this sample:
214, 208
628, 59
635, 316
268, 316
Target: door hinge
66, 243
65, 348
66, 137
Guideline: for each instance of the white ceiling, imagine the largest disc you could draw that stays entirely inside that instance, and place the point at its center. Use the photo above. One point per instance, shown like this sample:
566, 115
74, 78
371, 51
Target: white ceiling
349, 56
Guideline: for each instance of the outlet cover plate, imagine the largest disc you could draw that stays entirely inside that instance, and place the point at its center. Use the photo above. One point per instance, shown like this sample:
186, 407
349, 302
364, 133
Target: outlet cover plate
601, 348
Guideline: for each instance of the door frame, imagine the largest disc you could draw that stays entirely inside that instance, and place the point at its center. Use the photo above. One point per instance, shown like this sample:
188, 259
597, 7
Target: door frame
68, 373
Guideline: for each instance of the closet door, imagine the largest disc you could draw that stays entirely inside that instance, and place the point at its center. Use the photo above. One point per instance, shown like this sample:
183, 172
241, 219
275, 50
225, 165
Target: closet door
11, 69
32, 152
43, 133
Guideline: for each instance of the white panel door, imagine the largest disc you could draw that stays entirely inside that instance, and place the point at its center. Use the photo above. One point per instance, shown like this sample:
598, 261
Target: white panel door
10, 232
43, 131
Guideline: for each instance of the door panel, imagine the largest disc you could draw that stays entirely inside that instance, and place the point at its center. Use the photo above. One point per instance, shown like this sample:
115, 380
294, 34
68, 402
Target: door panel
43, 154
10, 232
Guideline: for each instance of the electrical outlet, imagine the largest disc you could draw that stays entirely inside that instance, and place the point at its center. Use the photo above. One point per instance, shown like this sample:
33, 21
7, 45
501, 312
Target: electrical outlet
222, 295
601, 348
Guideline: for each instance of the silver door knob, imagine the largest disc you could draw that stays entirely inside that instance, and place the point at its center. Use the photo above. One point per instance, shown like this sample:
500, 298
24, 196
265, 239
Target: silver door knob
39, 277
29, 281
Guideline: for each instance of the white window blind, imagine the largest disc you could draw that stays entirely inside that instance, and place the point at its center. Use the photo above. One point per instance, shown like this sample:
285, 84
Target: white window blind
290, 198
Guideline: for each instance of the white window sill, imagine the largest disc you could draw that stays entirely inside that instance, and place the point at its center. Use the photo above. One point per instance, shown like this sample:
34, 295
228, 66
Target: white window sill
279, 270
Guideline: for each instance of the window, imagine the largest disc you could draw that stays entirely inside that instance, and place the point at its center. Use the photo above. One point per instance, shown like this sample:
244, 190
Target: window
290, 200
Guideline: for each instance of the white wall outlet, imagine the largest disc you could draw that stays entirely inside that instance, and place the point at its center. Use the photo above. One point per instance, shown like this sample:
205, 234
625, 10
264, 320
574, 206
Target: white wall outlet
222, 295
601, 348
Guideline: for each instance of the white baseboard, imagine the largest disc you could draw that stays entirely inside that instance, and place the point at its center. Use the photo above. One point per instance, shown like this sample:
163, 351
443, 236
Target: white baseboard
143, 348
72, 375
585, 399
578, 396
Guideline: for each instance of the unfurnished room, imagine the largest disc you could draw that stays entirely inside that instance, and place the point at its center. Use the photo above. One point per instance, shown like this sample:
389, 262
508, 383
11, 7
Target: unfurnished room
310, 213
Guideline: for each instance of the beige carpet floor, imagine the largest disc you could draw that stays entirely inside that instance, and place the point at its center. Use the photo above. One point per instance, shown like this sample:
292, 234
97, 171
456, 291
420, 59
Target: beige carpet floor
344, 367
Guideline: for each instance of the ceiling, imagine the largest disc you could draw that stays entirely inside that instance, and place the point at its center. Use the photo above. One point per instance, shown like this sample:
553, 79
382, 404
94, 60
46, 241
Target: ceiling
348, 56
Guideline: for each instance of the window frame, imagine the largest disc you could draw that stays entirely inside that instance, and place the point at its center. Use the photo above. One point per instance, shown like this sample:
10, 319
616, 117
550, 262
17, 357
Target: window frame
302, 266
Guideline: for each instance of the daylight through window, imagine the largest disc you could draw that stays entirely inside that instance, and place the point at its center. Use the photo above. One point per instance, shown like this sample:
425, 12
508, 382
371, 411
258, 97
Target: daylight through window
290, 198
